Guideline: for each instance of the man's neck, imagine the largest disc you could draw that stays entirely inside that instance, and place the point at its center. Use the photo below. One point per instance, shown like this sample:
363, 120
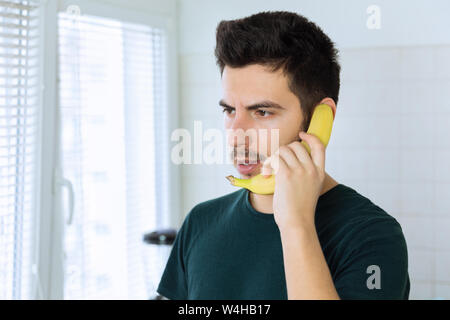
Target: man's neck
263, 203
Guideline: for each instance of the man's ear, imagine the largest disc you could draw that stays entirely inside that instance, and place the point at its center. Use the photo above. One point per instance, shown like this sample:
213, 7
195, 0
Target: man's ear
327, 101
331, 103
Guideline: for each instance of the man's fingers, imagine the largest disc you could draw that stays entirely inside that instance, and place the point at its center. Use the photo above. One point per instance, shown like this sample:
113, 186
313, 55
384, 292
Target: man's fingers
317, 149
270, 165
295, 156
289, 156
302, 154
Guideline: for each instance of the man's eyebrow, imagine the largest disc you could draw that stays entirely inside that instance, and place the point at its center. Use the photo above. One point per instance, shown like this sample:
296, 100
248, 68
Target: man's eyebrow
262, 104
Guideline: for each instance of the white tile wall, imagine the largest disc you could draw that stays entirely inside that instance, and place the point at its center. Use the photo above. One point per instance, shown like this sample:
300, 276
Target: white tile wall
383, 163
418, 231
442, 123
442, 62
390, 142
386, 195
421, 264
418, 63
441, 198
413, 184
442, 291
442, 267
416, 164
441, 107
416, 198
442, 238
421, 290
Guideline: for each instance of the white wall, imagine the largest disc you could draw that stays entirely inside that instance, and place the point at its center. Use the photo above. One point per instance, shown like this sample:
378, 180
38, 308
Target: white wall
404, 22
389, 139
157, 7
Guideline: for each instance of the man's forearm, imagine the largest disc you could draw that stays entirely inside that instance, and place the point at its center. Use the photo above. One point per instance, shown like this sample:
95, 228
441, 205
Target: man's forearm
306, 270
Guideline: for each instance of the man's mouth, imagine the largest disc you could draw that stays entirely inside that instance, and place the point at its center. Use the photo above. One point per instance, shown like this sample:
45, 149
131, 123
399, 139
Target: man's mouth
246, 168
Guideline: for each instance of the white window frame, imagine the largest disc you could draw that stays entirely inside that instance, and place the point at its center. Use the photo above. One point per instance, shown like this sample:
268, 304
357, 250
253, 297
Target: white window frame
50, 283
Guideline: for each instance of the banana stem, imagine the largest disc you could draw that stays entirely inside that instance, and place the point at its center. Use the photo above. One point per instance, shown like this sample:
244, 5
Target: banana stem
237, 182
231, 179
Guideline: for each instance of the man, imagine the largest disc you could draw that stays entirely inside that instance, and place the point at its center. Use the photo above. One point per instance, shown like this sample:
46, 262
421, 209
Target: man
314, 238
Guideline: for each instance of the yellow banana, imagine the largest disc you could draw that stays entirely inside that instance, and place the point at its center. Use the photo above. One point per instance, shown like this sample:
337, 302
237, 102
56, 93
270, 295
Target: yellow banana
320, 126
257, 184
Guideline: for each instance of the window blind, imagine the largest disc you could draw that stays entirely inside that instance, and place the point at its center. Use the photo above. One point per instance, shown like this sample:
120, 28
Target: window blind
111, 96
19, 128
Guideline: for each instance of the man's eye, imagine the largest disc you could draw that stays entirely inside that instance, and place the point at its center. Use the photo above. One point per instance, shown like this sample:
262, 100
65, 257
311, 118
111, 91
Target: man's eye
227, 110
263, 113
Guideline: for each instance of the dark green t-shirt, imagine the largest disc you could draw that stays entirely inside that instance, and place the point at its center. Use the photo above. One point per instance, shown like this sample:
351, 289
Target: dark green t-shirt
226, 249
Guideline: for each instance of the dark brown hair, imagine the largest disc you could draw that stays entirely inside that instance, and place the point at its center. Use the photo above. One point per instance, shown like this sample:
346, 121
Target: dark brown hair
280, 39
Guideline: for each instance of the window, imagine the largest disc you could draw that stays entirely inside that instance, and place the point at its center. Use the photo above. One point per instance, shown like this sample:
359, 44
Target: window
19, 131
112, 99
84, 107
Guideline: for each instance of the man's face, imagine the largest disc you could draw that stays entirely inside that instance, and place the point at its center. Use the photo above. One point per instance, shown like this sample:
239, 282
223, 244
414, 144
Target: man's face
255, 98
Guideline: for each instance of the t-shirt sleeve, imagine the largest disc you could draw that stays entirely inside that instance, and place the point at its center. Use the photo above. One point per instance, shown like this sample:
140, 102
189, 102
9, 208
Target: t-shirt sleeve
173, 283
376, 264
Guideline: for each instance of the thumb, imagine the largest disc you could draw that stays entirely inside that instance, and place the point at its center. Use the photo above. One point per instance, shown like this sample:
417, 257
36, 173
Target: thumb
271, 165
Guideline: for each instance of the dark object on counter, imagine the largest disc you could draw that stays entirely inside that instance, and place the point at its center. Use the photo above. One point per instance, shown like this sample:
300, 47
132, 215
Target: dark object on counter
162, 236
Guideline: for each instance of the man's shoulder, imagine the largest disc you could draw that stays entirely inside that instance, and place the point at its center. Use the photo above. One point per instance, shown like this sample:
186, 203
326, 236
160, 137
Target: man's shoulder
359, 214
355, 204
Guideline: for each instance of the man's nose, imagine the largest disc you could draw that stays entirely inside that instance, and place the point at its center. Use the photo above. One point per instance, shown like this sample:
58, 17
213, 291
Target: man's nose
239, 131
240, 121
